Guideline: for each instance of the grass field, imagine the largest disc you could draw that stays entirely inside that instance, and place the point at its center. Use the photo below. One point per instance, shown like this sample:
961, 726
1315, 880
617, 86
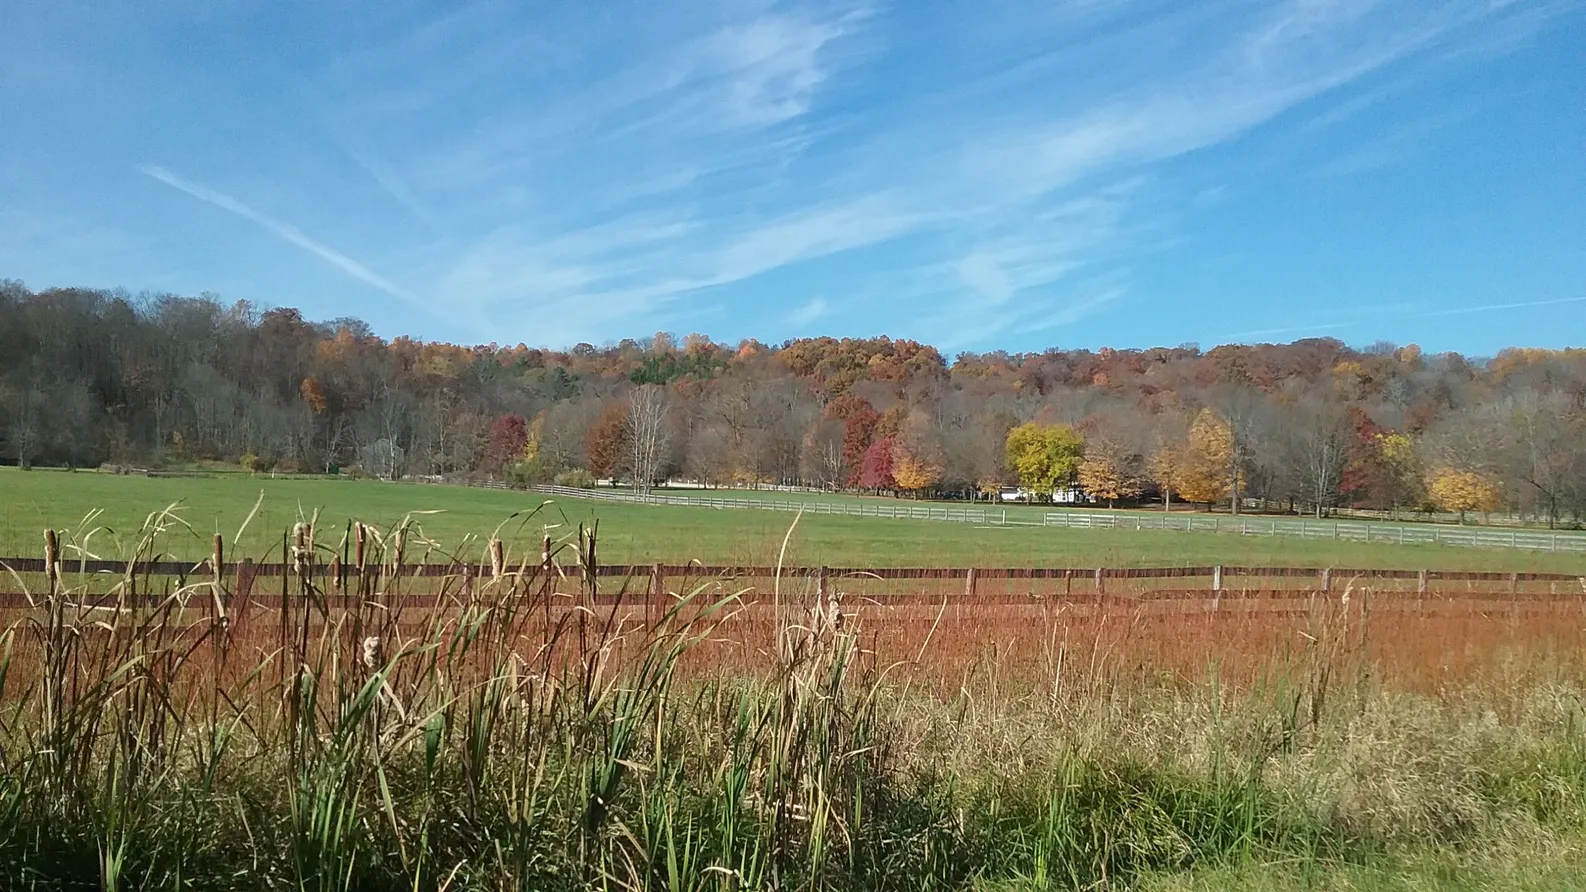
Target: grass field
31, 501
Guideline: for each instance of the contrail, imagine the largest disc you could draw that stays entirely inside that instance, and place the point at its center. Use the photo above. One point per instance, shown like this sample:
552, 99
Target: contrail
284, 230
1453, 311
1516, 306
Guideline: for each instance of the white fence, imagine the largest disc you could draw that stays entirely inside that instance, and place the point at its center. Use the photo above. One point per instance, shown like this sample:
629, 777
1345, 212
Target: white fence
1402, 534
879, 509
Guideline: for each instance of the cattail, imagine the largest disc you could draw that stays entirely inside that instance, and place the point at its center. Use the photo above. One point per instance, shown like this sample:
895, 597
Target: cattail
302, 552
371, 652
498, 563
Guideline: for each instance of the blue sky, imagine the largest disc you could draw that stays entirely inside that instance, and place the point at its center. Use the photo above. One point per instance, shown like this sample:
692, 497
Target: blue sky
977, 175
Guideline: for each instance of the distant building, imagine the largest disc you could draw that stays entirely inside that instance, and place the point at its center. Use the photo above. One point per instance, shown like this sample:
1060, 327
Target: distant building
1067, 495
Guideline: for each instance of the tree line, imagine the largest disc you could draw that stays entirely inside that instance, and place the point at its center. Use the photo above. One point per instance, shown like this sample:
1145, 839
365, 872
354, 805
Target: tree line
89, 377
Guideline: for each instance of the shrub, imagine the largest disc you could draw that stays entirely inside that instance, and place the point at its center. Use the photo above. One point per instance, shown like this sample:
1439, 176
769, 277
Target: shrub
536, 471
577, 478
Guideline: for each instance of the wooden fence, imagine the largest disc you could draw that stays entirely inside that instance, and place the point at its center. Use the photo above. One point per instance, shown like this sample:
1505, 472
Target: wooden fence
970, 585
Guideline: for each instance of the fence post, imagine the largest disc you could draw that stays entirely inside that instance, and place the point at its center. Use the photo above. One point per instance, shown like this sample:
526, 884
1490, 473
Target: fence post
242, 595
1514, 582
1327, 578
1217, 587
1100, 586
1420, 582
657, 592
969, 584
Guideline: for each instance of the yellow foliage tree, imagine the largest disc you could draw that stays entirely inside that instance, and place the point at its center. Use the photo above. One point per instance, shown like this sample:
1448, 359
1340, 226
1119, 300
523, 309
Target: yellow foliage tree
1105, 477
1404, 468
912, 472
1462, 491
1166, 468
1205, 473
531, 443
1044, 455
918, 462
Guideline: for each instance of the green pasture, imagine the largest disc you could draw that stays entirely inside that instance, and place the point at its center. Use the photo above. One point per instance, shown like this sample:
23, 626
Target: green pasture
115, 508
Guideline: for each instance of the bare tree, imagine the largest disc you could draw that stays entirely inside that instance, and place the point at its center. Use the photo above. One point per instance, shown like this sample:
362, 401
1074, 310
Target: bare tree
25, 423
647, 433
1545, 451
821, 455
1315, 437
709, 456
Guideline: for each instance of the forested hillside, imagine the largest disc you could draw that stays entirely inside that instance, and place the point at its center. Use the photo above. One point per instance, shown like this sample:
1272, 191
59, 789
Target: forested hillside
89, 377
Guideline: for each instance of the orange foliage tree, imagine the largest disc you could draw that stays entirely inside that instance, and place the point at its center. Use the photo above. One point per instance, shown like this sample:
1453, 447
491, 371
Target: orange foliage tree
607, 441
1107, 476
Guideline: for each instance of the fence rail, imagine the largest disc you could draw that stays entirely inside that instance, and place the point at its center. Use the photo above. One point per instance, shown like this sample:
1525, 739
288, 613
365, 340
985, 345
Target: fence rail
965, 579
1351, 531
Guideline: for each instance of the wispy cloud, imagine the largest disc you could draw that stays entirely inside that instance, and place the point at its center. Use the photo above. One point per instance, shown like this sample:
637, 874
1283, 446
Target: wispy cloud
284, 231
1395, 146
655, 168
808, 313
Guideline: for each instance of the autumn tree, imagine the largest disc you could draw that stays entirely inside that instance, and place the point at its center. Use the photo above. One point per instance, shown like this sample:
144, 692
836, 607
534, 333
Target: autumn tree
504, 444
1202, 470
859, 430
1239, 409
918, 461
1166, 467
1105, 476
1113, 466
605, 445
1044, 455
1407, 486
875, 466
1463, 491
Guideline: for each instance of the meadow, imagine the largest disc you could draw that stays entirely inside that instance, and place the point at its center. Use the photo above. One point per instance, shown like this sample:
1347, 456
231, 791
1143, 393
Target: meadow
516, 733
113, 508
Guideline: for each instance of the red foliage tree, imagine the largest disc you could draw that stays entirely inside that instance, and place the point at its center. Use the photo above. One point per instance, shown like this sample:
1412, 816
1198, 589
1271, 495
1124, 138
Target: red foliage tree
504, 444
859, 432
1367, 480
875, 467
